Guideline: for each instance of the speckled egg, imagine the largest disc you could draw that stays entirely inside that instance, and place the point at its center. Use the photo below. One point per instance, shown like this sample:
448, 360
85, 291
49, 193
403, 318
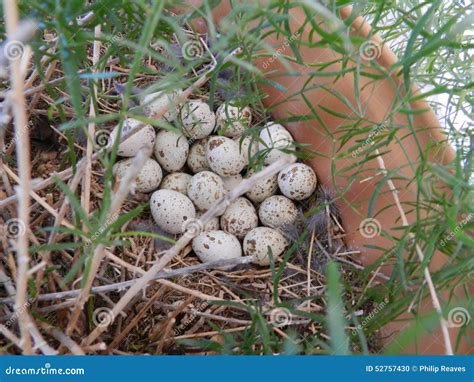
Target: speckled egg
171, 210
153, 102
297, 181
230, 182
224, 156
198, 119
197, 158
232, 121
148, 178
177, 181
263, 189
248, 149
257, 241
216, 245
239, 218
130, 146
273, 138
205, 189
212, 225
171, 150
276, 211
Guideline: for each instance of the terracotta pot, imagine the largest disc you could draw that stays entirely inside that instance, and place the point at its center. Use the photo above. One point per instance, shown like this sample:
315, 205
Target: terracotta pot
376, 97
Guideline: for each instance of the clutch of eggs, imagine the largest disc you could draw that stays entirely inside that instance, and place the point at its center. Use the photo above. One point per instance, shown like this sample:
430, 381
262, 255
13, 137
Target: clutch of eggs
194, 168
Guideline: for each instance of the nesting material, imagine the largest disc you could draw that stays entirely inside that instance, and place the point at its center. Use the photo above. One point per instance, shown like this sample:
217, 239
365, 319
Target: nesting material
319, 223
199, 168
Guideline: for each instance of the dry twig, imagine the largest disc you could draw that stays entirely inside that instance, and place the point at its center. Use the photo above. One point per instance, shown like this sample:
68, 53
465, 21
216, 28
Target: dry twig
124, 189
24, 162
421, 257
216, 210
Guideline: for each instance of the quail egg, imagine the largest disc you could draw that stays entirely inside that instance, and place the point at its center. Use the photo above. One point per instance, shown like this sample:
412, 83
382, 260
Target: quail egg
239, 218
198, 119
171, 150
297, 181
224, 156
232, 121
143, 136
248, 148
276, 211
154, 102
176, 181
171, 210
197, 159
262, 189
275, 137
205, 189
230, 182
212, 225
258, 241
148, 178
216, 245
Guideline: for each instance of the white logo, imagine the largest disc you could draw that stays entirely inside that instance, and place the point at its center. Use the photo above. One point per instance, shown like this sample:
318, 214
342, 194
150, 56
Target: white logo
102, 317
370, 228
14, 228
192, 227
14, 50
458, 317
370, 50
191, 50
280, 317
